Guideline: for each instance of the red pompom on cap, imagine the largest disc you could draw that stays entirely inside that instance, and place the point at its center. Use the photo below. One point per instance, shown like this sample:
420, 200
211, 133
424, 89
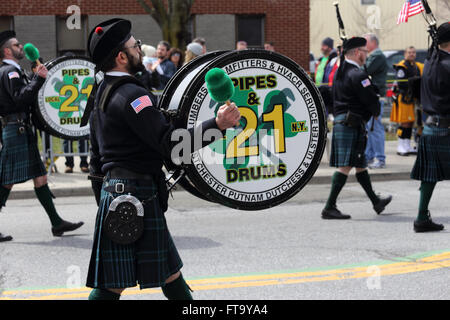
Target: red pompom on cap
99, 30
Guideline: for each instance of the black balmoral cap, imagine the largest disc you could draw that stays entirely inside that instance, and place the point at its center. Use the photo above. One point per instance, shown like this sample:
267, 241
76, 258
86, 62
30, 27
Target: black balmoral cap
106, 37
355, 42
6, 35
444, 33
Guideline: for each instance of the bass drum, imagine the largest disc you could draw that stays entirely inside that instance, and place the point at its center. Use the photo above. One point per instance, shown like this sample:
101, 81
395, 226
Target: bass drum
63, 97
171, 96
279, 143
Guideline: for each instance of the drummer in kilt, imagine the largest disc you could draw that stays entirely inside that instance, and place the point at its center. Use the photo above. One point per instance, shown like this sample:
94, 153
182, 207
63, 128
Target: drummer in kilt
19, 157
130, 137
433, 157
355, 101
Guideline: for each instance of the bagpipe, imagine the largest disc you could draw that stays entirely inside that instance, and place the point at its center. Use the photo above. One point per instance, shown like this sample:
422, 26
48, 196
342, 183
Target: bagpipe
432, 29
342, 36
342, 33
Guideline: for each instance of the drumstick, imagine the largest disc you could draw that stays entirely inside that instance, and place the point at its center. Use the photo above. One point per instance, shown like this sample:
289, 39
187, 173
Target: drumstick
32, 53
220, 86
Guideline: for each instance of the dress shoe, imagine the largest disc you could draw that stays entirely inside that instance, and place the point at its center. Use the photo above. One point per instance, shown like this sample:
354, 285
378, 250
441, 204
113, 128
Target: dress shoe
427, 225
382, 203
84, 169
334, 213
68, 170
65, 226
4, 238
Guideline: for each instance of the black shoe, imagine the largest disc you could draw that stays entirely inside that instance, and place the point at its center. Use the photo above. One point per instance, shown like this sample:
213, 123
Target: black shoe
427, 225
334, 213
5, 238
65, 226
379, 207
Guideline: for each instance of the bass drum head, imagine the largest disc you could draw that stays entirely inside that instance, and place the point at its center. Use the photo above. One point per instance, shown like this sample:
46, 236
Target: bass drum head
171, 97
279, 143
63, 97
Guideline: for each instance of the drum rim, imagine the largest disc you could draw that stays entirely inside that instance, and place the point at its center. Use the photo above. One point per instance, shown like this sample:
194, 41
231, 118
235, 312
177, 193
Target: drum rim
164, 103
187, 100
48, 129
181, 73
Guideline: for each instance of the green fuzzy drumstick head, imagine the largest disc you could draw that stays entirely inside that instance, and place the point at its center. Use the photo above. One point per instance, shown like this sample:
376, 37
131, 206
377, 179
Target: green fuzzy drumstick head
219, 84
31, 52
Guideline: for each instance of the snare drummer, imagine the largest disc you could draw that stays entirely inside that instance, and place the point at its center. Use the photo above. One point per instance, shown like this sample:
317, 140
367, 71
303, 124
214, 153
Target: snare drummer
19, 158
130, 137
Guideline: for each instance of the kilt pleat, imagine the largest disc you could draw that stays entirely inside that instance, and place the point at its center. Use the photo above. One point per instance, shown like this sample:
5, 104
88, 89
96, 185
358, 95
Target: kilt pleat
433, 155
347, 146
148, 262
19, 157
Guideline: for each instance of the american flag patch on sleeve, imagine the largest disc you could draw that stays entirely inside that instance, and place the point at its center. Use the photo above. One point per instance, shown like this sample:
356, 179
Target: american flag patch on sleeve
365, 83
13, 75
141, 103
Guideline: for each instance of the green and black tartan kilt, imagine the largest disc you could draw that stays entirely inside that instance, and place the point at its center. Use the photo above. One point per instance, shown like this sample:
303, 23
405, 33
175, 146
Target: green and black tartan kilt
433, 155
149, 261
19, 158
348, 145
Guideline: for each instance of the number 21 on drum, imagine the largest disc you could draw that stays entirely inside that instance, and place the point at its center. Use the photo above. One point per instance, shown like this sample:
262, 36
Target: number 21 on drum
68, 88
235, 149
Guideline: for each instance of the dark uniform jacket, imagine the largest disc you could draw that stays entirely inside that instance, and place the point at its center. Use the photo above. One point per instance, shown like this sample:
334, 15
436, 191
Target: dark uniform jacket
407, 70
16, 94
435, 86
353, 91
122, 137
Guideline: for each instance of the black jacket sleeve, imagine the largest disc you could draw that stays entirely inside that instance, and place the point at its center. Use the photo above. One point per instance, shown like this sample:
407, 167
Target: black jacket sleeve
94, 163
95, 166
401, 75
23, 95
155, 130
366, 92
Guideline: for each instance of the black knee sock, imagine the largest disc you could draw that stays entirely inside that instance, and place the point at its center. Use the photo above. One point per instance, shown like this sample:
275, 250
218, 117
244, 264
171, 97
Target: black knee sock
337, 183
4, 194
103, 294
364, 180
177, 290
404, 133
400, 132
45, 198
408, 133
426, 191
